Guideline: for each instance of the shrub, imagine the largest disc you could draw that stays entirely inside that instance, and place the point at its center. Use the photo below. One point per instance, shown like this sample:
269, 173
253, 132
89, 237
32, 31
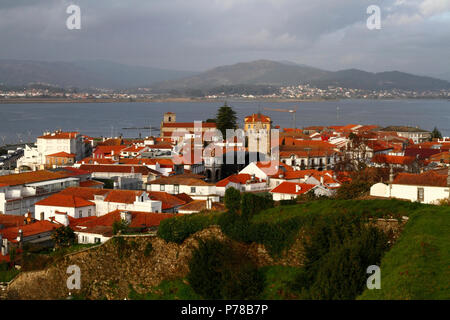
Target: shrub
148, 249
177, 229
120, 226
353, 190
232, 199
64, 237
235, 226
219, 271
252, 204
337, 253
288, 202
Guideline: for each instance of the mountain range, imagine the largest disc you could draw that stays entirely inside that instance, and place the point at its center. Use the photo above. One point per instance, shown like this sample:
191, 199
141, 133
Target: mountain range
106, 74
83, 74
265, 72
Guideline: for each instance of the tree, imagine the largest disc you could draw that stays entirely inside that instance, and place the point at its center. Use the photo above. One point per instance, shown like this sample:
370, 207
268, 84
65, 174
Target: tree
226, 119
119, 226
64, 237
217, 270
232, 199
436, 134
337, 253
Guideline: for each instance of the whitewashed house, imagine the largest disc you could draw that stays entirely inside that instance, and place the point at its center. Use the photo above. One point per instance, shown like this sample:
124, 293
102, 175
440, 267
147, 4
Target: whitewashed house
192, 185
428, 187
243, 182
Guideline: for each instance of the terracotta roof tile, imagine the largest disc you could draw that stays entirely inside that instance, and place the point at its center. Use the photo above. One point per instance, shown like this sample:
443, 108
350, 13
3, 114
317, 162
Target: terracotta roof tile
429, 178
168, 201
31, 177
64, 200
293, 188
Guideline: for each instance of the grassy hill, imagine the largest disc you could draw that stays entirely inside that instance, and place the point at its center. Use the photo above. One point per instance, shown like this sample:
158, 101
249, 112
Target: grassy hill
418, 266
415, 267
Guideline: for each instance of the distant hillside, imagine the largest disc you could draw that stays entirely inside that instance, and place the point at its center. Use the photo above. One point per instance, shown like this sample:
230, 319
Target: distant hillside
261, 72
264, 72
444, 76
83, 74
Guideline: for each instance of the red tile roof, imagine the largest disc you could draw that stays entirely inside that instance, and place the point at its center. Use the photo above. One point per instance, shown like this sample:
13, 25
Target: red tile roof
85, 193
123, 196
62, 155
241, 178
293, 188
200, 205
91, 183
188, 125
66, 201
8, 221
257, 117
29, 229
383, 158
31, 177
429, 178
168, 201
117, 168
422, 154
60, 135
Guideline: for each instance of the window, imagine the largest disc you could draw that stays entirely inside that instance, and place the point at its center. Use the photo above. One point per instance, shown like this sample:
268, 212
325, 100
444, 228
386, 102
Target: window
162, 187
420, 194
42, 216
176, 189
192, 189
80, 213
89, 212
97, 240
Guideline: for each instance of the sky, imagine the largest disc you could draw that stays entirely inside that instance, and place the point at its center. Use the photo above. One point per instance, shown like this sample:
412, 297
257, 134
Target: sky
198, 35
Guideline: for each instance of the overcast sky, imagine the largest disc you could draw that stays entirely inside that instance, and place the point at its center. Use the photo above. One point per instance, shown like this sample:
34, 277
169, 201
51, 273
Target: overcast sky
201, 34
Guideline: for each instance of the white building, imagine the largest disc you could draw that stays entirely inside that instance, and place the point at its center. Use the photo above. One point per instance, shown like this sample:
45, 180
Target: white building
428, 187
87, 202
291, 190
242, 182
34, 158
192, 185
19, 192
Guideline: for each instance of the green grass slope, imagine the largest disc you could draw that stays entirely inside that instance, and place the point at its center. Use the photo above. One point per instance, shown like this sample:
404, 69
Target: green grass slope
418, 266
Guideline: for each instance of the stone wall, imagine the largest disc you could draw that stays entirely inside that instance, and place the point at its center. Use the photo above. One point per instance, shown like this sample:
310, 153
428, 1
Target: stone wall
104, 274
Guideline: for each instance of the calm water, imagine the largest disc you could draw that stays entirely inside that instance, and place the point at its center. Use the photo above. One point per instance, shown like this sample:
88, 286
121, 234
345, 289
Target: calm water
24, 122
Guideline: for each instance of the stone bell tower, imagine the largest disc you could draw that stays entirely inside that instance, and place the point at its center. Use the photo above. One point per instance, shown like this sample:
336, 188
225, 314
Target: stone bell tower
170, 117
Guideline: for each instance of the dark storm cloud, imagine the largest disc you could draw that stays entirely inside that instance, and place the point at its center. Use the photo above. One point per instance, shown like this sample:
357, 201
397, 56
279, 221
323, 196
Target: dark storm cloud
200, 34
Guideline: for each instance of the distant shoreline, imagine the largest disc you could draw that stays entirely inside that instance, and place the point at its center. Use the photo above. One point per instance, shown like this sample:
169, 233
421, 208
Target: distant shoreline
25, 101
181, 100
